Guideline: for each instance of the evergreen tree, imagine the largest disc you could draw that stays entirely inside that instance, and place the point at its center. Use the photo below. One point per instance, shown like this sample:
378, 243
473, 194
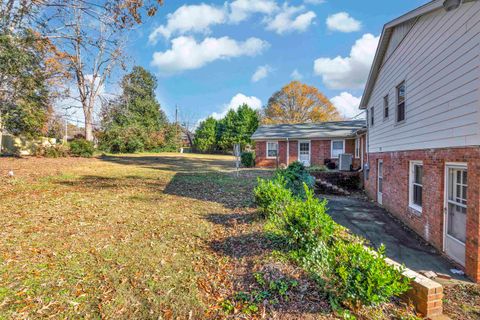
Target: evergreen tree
206, 135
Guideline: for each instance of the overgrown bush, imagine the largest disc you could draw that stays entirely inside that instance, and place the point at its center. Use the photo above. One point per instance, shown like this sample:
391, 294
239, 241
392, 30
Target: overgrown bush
350, 273
321, 168
247, 159
82, 148
57, 151
361, 276
124, 139
295, 176
52, 151
272, 196
306, 223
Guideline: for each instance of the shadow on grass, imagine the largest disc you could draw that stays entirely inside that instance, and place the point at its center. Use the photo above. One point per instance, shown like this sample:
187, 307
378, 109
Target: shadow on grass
304, 300
233, 219
102, 182
172, 162
221, 187
249, 245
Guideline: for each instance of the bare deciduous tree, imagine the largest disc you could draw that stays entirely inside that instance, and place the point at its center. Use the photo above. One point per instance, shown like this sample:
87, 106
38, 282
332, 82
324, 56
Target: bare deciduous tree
90, 34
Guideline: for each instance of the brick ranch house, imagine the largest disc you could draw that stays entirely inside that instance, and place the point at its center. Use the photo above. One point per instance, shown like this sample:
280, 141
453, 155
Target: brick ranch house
311, 143
423, 108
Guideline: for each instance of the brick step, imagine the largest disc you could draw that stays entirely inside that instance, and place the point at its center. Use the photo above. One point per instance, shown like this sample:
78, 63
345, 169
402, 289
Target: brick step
332, 188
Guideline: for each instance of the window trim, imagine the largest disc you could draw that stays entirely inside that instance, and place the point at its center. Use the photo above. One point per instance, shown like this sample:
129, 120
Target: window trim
411, 183
271, 141
404, 102
331, 147
386, 106
372, 116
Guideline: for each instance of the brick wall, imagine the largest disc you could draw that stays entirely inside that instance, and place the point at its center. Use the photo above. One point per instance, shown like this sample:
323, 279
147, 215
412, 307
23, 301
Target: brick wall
430, 223
320, 150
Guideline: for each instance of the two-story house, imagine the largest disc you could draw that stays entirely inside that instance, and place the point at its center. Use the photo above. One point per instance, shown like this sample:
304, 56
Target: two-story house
423, 108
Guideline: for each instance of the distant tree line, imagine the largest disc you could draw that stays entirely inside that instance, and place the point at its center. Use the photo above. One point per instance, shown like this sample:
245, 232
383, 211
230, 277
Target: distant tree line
294, 103
237, 126
134, 121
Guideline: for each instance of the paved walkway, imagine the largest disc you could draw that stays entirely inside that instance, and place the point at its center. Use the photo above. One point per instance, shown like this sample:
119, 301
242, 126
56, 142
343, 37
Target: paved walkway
375, 224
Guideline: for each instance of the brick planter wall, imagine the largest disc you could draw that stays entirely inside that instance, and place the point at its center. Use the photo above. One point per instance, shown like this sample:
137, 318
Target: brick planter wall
430, 223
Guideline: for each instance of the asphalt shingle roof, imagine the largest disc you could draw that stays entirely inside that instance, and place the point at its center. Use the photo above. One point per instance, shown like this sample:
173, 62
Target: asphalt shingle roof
336, 129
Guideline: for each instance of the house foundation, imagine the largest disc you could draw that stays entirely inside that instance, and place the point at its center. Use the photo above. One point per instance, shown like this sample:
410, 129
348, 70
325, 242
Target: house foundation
448, 216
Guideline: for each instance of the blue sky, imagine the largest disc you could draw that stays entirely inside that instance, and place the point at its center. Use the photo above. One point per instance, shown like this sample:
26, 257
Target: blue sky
206, 54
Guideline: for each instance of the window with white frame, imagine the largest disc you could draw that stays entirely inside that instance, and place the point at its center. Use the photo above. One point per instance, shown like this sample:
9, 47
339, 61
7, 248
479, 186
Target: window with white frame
338, 148
401, 102
385, 107
372, 116
416, 185
357, 148
272, 149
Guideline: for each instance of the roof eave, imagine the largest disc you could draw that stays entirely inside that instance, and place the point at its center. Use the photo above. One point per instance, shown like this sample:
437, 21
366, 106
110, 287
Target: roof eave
383, 45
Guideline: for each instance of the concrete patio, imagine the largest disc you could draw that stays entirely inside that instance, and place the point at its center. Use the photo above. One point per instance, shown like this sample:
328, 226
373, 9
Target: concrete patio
372, 222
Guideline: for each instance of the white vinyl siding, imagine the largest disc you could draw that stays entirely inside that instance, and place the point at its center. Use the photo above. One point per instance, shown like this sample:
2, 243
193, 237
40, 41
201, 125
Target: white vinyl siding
439, 61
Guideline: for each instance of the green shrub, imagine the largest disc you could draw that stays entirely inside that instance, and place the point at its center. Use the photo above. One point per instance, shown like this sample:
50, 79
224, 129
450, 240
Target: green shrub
247, 159
271, 196
124, 139
306, 223
296, 175
57, 151
361, 276
321, 168
82, 148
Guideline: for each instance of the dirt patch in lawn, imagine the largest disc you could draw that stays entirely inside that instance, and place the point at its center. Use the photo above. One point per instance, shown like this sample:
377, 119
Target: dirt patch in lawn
462, 301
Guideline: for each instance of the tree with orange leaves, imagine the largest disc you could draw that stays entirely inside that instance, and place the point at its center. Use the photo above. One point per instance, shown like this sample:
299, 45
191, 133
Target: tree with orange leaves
299, 103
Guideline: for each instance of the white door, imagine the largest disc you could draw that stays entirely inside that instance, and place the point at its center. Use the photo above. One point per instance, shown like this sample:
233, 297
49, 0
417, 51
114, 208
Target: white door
380, 182
456, 212
304, 152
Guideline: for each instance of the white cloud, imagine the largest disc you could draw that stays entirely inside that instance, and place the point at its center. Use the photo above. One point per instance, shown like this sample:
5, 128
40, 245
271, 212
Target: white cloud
348, 72
238, 100
261, 73
190, 18
188, 54
242, 9
347, 105
296, 75
343, 22
291, 19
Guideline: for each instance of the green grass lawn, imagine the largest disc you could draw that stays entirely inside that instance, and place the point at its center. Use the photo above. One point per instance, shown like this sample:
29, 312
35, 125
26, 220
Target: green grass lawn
114, 237
149, 236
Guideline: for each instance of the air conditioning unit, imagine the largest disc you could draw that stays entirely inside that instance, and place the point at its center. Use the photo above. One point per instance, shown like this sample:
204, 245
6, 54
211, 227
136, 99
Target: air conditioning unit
345, 162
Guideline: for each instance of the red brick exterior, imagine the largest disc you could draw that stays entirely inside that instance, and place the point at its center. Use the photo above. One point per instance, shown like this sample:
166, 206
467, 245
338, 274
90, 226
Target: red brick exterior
430, 223
320, 150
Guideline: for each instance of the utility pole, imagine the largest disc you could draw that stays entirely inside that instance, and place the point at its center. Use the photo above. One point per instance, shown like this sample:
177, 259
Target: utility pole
176, 114
65, 138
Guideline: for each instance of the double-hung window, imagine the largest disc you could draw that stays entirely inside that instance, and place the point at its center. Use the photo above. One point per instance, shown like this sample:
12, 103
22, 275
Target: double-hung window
385, 107
372, 116
338, 148
416, 185
272, 149
401, 102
